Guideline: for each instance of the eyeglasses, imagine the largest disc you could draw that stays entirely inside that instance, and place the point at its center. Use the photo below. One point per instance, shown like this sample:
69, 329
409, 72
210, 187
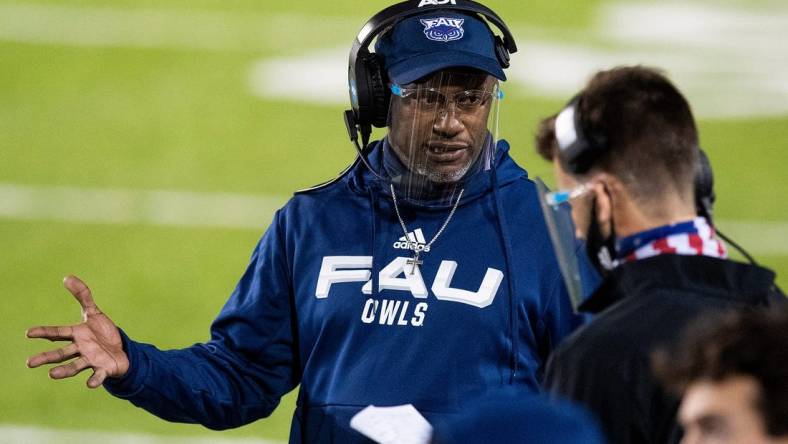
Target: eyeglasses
556, 198
429, 99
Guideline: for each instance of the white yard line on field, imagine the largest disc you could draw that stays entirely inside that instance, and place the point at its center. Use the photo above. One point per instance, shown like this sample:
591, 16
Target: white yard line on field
759, 238
94, 26
228, 210
729, 60
12, 434
117, 27
154, 207
728, 57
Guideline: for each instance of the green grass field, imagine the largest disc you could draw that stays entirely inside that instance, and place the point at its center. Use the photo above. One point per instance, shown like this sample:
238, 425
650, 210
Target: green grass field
171, 112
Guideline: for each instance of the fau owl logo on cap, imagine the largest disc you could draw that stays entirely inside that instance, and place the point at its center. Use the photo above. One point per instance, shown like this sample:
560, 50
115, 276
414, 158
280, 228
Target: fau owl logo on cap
436, 2
443, 29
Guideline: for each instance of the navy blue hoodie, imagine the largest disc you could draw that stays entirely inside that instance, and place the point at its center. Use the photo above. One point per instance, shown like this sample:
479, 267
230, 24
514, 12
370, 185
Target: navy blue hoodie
328, 302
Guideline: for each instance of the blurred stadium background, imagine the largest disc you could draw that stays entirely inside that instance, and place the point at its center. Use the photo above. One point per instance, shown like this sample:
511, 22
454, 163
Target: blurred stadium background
144, 146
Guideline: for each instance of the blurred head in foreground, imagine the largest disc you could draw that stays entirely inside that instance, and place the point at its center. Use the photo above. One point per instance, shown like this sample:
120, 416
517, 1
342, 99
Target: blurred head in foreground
512, 415
732, 373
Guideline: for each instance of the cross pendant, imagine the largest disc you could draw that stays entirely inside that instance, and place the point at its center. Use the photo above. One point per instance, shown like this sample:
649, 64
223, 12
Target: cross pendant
414, 262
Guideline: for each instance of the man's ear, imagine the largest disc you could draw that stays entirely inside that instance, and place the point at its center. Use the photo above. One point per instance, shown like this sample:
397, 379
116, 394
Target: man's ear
601, 187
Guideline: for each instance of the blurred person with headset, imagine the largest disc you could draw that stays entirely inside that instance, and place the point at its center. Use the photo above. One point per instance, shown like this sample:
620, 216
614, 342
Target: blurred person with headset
423, 274
626, 155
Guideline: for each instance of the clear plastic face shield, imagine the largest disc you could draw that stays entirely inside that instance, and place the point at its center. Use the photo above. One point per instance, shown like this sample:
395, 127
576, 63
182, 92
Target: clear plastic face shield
558, 217
442, 131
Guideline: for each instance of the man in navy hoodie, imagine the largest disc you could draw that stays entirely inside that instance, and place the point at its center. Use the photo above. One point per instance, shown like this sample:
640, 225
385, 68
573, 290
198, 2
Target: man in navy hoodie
424, 274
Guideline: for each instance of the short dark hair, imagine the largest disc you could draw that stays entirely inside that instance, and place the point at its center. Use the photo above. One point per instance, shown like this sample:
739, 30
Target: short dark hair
750, 343
545, 141
650, 133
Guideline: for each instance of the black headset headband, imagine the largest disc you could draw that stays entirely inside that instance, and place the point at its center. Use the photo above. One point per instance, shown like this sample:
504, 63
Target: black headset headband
391, 15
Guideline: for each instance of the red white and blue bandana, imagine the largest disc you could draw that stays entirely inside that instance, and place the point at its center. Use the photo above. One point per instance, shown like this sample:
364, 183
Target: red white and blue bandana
692, 238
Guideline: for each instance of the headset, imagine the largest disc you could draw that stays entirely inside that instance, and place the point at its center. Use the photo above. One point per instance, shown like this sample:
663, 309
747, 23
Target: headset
584, 147
367, 79
579, 148
704, 187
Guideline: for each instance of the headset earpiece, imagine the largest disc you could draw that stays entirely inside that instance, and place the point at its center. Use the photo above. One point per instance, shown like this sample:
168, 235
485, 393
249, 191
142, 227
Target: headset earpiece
504, 58
704, 187
372, 94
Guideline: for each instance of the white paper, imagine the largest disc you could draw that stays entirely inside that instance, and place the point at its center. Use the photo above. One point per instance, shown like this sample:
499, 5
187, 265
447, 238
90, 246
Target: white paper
401, 424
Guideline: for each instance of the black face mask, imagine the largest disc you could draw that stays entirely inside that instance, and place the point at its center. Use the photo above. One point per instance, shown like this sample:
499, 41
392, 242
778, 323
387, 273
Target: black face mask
601, 250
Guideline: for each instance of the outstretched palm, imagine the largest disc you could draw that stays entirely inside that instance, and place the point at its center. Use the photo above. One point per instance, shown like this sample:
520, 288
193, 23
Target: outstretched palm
95, 342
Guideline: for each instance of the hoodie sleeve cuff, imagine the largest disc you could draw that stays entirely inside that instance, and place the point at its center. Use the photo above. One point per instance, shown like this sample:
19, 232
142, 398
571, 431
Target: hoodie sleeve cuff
133, 381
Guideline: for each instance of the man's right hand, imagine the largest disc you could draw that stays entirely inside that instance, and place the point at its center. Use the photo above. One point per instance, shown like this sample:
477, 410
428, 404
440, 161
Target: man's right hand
95, 342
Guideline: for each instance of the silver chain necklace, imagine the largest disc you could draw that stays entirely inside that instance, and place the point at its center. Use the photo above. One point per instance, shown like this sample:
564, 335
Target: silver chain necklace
408, 244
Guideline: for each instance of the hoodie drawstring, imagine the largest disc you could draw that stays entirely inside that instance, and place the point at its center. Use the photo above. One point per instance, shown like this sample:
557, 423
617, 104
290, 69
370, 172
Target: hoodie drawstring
507, 250
372, 205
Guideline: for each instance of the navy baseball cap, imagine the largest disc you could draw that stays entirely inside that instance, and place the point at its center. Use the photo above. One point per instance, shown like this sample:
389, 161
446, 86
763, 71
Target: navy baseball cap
421, 45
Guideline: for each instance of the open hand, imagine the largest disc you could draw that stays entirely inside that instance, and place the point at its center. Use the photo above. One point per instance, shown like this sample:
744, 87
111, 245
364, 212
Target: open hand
95, 342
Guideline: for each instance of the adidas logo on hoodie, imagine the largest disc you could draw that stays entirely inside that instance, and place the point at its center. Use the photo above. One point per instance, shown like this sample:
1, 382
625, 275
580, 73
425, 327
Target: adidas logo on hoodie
417, 242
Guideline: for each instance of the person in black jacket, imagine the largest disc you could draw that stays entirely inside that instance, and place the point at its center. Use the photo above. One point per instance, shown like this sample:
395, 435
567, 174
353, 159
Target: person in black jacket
626, 150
